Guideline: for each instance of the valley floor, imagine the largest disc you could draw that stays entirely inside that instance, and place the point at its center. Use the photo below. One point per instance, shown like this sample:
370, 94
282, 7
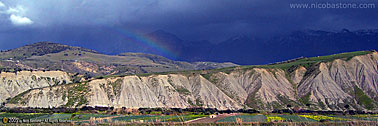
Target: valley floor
187, 119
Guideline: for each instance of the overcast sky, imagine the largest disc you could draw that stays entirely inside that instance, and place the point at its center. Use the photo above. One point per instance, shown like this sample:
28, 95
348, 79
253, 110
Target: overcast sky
70, 21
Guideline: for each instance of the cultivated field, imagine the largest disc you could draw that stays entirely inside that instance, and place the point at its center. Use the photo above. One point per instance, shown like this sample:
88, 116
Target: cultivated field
189, 119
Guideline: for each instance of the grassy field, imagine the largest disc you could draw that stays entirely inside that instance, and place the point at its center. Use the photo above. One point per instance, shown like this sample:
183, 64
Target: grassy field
23, 115
361, 117
306, 62
245, 118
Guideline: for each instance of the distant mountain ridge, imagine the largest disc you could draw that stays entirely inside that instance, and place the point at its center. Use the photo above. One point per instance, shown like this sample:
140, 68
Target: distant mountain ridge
39, 49
306, 43
248, 50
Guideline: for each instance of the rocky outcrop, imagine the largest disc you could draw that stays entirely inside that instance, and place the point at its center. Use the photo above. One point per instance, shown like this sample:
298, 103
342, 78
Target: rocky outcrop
172, 91
338, 83
12, 84
323, 85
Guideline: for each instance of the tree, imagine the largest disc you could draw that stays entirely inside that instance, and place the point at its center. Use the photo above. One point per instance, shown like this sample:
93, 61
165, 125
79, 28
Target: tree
288, 106
346, 107
308, 105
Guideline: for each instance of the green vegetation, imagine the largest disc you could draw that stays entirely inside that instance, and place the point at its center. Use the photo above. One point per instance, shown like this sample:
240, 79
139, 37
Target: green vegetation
206, 76
36, 49
209, 77
363, 99
199, 102
179, 89
84, 116
63, 116
286, 101
307, 62
158, 118
116, 86
18, 98
273, 71
75, 79
263, 119
253, 101
182, 90
373, 117
23, 115
286, 65
244, 118
305, 99
76, 95
136, 117
321, 104
191, 102
112, 89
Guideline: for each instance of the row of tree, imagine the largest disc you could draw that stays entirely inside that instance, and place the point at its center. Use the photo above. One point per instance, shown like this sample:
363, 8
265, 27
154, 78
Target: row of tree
167, 111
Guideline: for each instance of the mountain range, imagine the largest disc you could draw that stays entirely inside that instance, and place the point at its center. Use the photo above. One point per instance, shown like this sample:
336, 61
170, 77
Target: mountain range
251, 50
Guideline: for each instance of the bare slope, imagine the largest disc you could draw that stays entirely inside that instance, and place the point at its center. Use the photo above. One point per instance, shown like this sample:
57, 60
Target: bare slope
12, 84
319, 83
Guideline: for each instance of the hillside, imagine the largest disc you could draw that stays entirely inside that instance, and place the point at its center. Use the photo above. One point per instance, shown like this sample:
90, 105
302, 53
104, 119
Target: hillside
53, 56
318, 83
38, 49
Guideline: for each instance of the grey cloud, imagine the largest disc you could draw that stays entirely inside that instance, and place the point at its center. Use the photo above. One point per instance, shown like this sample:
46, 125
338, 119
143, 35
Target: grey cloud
213, 20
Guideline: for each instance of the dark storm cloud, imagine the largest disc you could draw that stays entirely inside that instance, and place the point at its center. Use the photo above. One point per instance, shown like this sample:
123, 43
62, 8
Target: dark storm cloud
92, 21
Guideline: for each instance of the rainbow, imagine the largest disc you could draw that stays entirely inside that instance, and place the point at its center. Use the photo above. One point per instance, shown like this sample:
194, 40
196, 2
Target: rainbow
146, 42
